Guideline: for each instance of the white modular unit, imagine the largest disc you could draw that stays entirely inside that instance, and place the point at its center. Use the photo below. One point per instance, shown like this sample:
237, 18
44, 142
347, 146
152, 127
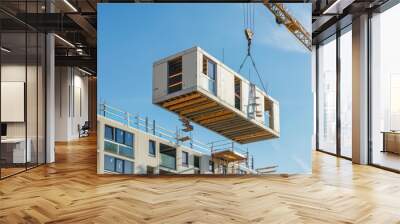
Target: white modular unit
196, 86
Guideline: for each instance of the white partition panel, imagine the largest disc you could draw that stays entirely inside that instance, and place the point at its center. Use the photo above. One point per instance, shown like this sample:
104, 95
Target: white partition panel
12, 101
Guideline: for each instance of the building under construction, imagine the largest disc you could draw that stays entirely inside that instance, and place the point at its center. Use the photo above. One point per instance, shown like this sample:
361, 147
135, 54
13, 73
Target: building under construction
198, 87
130, 144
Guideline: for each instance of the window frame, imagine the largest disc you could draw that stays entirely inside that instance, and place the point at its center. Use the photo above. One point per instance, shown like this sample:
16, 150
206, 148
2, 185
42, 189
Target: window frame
132, 143
198, 161
152, 142
176, 85
112, 132
212, 80
337, 38
185, 162
238, 96
116, 136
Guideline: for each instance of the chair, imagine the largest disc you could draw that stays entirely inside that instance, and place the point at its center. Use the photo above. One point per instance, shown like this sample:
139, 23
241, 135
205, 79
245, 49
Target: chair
84, 130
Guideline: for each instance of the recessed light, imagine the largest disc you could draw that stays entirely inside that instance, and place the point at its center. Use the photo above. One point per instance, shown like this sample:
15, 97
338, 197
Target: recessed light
64, 40
84, 71
5, 50
70, 5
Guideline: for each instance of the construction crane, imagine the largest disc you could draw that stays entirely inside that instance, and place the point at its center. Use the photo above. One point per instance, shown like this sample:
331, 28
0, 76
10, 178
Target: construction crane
282, 16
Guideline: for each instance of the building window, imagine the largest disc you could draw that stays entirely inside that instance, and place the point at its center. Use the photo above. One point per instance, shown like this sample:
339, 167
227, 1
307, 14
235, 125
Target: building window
129, 139
110, 147
210, 70
119, 136
122, 137
109, 163
152, 148
327, 95
196, 161
126, 151
175, 75
185, 158
238, 94
109, 133
128, 167
346, 93
384, 93
118, 165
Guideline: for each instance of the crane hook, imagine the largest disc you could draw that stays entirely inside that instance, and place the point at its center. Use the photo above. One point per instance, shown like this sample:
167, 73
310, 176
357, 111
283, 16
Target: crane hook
249, 36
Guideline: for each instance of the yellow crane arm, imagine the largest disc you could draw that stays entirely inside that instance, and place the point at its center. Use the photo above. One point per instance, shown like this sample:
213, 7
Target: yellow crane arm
282, 16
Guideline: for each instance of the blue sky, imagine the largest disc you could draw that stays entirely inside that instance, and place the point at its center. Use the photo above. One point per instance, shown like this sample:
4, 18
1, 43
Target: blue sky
132, 36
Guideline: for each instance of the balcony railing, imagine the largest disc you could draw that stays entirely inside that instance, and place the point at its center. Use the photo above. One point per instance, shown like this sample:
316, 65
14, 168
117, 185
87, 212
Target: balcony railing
224, 145
119, 149
147, 125
168, 161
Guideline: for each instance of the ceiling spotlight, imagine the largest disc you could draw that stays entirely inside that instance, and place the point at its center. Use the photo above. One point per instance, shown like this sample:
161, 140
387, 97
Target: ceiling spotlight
337, 7
70, 5
65, 41
5, 50
85, 72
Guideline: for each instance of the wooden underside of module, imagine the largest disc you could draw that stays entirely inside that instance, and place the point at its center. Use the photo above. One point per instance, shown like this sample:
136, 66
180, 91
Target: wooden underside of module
228, 155
208, 113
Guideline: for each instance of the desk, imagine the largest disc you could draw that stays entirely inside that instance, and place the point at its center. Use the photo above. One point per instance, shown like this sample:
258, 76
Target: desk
391, 141
13, 150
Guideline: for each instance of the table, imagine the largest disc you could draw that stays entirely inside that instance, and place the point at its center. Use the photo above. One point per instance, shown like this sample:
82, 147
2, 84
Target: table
13, 150
391, 141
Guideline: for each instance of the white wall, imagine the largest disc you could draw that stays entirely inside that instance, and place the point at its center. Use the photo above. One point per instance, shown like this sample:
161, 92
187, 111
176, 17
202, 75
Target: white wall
71, 102
33, 126
16, 73
225, 85
159, 80
189, 69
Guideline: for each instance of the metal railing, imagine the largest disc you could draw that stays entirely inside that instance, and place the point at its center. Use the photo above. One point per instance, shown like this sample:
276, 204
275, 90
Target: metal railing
142, 123
168, 161
224, 145
150, 126
118, 149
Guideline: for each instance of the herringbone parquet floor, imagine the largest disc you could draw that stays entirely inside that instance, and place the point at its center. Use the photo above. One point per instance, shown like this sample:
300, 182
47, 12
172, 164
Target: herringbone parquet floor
69, 191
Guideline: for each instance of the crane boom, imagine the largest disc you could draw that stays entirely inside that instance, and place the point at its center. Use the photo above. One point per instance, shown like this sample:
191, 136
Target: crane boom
283, 17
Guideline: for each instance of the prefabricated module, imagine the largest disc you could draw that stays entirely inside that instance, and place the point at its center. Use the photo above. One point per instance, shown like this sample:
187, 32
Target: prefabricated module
196, 86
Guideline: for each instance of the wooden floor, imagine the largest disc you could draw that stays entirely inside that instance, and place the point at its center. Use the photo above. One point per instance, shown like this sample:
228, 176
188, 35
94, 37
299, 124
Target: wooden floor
69, 191
387, 159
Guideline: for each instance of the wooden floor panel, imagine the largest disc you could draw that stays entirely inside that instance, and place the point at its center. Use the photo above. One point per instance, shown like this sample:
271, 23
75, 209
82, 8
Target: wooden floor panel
69, 191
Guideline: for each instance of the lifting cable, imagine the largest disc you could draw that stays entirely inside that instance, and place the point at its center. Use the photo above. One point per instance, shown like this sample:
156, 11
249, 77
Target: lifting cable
248, 23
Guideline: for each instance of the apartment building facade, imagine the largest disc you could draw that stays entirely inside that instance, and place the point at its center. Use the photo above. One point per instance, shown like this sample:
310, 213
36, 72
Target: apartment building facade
142, 147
